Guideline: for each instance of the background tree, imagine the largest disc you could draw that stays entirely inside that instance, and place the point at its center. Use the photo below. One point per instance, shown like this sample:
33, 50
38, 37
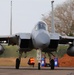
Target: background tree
63, 18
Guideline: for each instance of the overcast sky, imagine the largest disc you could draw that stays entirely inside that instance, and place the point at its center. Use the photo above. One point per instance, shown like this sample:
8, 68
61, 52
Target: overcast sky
26, 13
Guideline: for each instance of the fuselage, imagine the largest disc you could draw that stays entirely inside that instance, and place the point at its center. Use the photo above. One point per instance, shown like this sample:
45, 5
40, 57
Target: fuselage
40, 36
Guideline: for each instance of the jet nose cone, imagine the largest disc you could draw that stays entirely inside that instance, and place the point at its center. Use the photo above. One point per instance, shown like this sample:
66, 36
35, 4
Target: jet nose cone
43, 40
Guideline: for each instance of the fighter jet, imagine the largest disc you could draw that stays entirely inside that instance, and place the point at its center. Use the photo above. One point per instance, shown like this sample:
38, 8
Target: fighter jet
39, 39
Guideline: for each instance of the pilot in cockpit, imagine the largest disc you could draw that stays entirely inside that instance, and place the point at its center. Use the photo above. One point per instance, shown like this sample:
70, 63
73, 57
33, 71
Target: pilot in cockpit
41, 25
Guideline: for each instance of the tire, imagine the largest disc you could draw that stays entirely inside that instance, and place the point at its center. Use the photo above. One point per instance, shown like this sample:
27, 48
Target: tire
52, 64
17, 63
38, 66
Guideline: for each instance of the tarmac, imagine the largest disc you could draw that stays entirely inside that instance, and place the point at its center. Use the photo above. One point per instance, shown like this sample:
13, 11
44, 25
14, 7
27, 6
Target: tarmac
6, 70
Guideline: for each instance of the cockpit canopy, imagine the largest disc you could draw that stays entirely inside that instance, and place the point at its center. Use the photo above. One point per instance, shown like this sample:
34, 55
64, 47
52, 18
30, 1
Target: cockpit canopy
41, 25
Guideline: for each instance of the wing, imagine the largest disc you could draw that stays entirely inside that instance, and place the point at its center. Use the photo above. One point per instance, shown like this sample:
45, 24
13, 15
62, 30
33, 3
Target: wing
66, 39
22, 39
11, 39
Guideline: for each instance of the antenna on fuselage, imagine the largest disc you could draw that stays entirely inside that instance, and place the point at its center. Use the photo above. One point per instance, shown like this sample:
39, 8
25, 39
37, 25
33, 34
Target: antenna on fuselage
52, 22
11, 19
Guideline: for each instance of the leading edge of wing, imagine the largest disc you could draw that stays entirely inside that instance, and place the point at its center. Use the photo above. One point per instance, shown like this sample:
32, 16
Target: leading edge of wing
66, 39
14, 39
24, 35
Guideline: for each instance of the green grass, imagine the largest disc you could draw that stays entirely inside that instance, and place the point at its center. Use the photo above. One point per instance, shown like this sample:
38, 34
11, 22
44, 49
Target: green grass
12, 51
62, 49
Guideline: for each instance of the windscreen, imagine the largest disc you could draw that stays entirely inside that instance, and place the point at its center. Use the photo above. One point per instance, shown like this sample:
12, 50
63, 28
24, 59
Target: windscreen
41, 25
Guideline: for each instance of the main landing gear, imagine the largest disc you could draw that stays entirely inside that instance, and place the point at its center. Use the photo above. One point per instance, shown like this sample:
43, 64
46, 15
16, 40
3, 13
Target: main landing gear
18, 60
38, 66
52, 64
51, 60
17, 63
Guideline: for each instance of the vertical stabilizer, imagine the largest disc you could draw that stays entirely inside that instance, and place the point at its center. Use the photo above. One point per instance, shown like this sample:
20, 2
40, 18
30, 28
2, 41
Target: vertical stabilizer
11, 19
52, 22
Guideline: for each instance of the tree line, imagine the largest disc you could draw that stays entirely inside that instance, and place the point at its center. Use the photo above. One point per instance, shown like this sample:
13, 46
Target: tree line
63, 18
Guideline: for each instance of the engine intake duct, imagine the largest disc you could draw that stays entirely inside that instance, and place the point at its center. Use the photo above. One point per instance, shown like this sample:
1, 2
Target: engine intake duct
24, 43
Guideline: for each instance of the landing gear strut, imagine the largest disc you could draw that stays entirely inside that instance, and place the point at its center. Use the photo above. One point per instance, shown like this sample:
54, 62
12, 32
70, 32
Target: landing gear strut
39, 58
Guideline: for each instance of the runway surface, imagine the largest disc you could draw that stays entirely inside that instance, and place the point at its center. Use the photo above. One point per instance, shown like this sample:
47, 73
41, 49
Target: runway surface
6, 70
